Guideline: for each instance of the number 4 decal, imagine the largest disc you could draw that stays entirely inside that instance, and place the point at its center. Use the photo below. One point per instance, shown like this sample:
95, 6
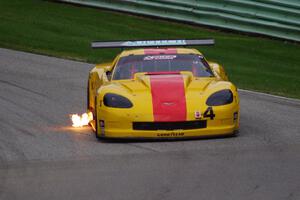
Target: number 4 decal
209, 113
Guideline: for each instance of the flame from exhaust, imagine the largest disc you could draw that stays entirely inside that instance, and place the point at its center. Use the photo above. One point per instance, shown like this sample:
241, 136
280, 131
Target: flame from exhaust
83, 120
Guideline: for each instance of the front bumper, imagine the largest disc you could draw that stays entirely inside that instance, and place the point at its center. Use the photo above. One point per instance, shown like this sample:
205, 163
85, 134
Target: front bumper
109, 131
121, 123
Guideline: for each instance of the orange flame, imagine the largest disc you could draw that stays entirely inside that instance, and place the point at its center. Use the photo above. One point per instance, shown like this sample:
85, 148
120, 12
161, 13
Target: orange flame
83, 120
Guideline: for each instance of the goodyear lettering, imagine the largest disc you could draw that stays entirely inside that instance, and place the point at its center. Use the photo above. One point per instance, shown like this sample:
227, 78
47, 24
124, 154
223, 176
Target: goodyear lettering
173, 134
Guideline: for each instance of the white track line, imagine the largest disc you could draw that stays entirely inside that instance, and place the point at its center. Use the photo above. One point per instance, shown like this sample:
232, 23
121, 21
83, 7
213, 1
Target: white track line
270, 95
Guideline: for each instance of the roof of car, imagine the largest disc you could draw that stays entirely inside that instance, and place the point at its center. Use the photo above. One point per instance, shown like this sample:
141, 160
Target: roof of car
153, 51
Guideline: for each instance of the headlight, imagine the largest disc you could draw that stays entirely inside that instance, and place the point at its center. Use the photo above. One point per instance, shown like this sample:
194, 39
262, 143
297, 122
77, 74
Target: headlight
219, 98
116, 101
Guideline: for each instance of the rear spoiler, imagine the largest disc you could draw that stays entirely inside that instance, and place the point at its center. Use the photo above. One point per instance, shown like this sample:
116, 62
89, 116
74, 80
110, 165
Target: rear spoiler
152, 43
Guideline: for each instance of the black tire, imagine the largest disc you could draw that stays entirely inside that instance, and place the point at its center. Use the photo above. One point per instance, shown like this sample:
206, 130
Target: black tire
88, 96
236, 133
96, 120
89, 108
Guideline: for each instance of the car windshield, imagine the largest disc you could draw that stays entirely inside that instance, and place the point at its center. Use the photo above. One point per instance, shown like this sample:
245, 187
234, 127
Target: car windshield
129, 65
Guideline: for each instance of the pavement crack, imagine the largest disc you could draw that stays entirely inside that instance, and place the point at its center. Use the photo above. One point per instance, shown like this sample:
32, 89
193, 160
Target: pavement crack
145, 148
13, 126
23, 88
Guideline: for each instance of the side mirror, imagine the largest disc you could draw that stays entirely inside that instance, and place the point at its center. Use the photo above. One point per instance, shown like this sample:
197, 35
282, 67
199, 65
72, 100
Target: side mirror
108, 68
105, 66
108, 74
218, 70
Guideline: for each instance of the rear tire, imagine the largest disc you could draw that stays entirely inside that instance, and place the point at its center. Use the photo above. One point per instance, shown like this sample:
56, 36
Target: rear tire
235, 133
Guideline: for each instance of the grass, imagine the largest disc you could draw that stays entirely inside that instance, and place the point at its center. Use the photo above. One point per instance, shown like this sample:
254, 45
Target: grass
66, 31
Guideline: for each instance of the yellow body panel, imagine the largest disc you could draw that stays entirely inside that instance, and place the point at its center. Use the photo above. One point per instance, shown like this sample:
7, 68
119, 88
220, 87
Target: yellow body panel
117, 122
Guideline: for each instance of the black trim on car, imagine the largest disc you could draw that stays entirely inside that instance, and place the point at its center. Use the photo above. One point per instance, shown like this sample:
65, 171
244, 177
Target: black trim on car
185, 125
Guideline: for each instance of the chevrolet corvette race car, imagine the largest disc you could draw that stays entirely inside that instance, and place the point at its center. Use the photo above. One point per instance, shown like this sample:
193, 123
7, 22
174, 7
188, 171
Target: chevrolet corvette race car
161, 89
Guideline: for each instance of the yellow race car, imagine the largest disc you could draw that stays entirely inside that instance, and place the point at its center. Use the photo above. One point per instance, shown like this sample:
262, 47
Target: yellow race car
161, 90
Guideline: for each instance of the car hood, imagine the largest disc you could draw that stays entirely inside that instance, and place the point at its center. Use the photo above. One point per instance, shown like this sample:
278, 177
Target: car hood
166, 96
147, 82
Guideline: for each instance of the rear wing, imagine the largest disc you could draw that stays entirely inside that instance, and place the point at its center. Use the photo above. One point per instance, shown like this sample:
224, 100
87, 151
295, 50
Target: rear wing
152, 43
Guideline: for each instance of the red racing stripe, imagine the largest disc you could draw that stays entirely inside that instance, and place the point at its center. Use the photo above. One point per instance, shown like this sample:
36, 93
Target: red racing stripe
160, 51
168, 98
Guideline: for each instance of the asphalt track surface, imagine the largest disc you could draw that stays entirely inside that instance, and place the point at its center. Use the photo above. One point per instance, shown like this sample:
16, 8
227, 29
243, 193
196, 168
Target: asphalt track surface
43, 157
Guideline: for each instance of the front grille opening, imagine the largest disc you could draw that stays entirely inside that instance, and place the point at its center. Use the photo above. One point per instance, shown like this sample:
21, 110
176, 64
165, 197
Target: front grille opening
186, 125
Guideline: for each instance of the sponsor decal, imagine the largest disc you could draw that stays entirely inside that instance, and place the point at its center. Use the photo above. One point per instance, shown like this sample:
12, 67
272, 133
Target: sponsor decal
197, 114
173, 134
154, 43
160, 57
